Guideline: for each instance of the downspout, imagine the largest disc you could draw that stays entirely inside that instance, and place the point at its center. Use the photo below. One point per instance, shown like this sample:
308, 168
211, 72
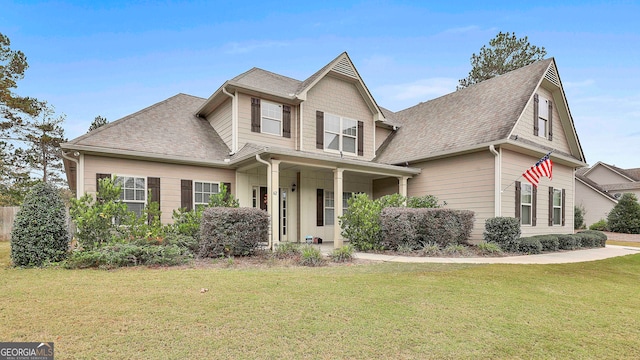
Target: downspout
234, 120
78, 193
497, 172
269, 201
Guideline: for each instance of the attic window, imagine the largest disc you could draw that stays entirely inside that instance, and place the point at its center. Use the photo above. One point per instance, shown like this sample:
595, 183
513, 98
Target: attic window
542, 117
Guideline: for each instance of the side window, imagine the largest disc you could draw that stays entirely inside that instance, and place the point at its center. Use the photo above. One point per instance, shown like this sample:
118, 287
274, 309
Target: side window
133, 192
526, 204
329, 207
203, 190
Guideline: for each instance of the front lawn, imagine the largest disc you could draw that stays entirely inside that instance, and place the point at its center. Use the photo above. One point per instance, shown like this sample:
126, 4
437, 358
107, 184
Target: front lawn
367, 311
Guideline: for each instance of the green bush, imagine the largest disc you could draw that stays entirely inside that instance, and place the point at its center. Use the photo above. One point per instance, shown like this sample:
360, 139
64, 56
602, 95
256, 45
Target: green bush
453, 249
625, 216
600, 225
310, 256
578, 217
489, 248
430, 249
601, 238
415, 227
232, 231
404, 248
549, 242
343, 254
567, 242
360, 223
129, 254
427, 201
40, 234
182, 241
287, 250
529, 245
504, 231
587, 240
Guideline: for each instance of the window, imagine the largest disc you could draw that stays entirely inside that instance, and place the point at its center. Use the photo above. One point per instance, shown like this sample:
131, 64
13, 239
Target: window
203, 190
526, 204
345, 199
557, 206
542, 117
340, 134
329, 207
133, 192
271, 118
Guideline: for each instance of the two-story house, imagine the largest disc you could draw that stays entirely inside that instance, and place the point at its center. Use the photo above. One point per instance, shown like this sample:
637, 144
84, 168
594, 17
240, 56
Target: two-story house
299, 149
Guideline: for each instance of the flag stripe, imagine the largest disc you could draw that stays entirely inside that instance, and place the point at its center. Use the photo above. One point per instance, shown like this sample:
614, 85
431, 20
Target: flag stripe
544, 167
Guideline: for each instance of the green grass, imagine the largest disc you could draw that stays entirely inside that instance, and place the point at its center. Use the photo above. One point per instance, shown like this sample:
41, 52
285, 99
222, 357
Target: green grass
373, 311
623, 243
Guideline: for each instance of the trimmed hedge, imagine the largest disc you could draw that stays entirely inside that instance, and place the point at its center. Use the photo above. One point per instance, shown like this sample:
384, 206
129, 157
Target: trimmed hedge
504, 231
567, 242
529, 245
600, 237
417, 227
232, 231
549, 242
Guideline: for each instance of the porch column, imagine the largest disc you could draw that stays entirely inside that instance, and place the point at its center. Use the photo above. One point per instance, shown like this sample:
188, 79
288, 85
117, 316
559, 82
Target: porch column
402, 185
337, 206
274, 203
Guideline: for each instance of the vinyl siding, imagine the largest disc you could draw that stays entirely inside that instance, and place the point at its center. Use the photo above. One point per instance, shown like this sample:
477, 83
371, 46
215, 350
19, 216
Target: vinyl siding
465, 182
169, 174
342, 98
381, 135
386, 186
245, 135
604, 176
513, 165
220, 119
524, 127
596, 206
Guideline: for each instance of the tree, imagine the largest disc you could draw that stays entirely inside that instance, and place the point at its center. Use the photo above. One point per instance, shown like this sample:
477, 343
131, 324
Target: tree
97, 122
12, 66
505, 53
43, 135
40, 232
625, 216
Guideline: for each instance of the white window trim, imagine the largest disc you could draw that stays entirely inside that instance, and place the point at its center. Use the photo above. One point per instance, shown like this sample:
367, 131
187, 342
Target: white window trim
122, 189
543, 103
194, 191
523, 204
559, 191
262, 117
341, 136
326, 197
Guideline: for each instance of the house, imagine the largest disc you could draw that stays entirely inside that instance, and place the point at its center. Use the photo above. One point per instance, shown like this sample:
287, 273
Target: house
300, 149
599, 187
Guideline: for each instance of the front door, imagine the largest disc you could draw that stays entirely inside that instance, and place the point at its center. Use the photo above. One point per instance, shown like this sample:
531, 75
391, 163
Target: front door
283, 213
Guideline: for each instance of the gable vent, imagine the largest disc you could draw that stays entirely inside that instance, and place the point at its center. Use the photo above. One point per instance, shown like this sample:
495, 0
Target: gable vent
552, 76
344, 67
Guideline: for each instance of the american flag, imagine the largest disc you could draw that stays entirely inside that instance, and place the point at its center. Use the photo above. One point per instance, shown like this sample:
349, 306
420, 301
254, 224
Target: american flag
543, 167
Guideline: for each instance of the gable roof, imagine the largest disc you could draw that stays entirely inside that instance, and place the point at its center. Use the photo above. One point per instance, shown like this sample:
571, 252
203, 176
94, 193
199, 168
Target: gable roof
148, 133
595, 187
473, 117
633, 175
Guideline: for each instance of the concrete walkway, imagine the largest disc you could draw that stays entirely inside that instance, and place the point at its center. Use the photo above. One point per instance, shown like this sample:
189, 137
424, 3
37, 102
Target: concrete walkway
563, 257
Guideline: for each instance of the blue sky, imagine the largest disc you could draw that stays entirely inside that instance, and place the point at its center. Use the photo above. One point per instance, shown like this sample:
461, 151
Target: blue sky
112, 58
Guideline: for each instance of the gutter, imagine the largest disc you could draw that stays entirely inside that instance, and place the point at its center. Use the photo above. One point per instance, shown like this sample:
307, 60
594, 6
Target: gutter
497, 173
78, 185
234, 120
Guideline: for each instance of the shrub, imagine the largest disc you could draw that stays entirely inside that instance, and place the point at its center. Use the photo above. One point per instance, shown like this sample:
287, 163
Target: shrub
129, 254
548, 242
455, 250
360, 223
310, 256
232, 231
40, 234
601, 238
578, 217
587, 240
343, 254
489, 248
504, 231
625, 216
414, 227
286, 250
182, 241
430, 249
529, 245
600, 225
427, 201
404, 248
567, 242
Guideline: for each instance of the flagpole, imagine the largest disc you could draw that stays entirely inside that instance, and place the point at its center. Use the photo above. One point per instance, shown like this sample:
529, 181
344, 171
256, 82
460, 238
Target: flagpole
518, 178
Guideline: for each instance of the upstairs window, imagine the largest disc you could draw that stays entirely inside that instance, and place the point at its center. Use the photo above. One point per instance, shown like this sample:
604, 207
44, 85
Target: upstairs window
340, 134
270, 118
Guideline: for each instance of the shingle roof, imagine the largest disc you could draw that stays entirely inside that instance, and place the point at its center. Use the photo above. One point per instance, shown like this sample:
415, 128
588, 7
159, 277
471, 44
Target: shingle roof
479, 114
166, 128
268, 81
594, 185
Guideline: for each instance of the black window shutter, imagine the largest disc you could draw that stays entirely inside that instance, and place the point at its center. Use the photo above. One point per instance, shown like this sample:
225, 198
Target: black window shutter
228, 189
255, 115
563, 206
319, 130
286, 121
534, 205
518, 198
98, 177
186, 194
536, 103
550, 125
153, 184
360, 138
320, 207
550, 206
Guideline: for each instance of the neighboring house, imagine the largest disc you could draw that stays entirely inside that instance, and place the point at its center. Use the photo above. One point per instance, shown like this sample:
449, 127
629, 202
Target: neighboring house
599, 187
299, 149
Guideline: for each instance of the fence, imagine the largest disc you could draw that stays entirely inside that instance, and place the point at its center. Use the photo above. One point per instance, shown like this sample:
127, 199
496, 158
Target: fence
7, 215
